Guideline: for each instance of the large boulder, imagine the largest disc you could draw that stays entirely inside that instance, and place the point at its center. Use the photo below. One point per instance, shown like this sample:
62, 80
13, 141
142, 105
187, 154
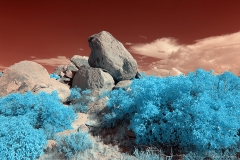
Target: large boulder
30, 76
108, 53
94, 79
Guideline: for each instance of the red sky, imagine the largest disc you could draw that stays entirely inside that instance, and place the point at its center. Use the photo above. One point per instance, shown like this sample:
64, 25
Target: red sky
162, 35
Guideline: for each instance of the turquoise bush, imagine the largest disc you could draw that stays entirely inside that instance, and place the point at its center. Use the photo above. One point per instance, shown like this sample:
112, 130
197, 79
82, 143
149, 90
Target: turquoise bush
0, 74
76, 142
197, 112
121, 106
19, 140
55, 76
28, 120
43, 111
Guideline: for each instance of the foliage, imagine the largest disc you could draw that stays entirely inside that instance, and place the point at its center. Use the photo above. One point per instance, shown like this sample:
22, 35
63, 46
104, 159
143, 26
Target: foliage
1, 74
43, 111
121, 106
55, 76
70, 145
80, 99
200, 110
19, 140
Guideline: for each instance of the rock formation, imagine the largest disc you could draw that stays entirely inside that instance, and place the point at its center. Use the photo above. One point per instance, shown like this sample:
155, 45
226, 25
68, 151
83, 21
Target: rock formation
109, 66
108, 53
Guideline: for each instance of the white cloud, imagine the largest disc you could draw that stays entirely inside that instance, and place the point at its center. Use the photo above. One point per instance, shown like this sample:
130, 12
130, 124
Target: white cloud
220, 53
142, 37
160, 48
33, 57
129, 43
80, 49
59, 60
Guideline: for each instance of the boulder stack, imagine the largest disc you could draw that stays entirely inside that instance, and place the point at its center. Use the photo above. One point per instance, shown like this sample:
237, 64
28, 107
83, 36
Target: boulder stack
109, 66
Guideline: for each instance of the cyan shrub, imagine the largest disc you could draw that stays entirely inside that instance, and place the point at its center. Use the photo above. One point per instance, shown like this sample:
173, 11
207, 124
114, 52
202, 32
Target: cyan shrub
0, 74
19, 140
73, 143
121, 107
55, 76
199, 110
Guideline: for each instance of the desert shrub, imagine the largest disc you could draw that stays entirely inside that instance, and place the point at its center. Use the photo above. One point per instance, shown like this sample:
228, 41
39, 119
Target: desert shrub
76, 142
198, 110
19, 140
43, 111
121, 107
0, 74
55, 76
79, 99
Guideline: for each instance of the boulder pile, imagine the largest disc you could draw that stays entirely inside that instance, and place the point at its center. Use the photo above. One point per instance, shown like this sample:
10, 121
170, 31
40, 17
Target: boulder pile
109, 66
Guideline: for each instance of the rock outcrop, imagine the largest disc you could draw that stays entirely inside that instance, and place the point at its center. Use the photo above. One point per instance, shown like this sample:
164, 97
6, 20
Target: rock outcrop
30, 76
94, 79
108, 53
110, 66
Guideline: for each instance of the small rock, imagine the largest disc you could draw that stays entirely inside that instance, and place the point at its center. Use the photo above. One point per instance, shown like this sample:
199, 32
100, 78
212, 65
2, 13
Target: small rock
79, 61
69, 74
64, 79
